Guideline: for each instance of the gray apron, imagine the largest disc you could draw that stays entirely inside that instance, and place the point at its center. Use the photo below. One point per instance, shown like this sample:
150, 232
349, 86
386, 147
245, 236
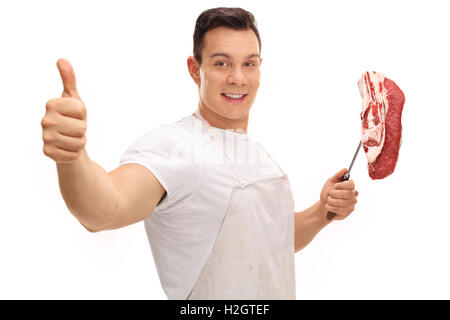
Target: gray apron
253, 256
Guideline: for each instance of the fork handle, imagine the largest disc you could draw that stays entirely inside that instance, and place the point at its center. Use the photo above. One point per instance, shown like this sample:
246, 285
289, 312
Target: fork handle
345, 177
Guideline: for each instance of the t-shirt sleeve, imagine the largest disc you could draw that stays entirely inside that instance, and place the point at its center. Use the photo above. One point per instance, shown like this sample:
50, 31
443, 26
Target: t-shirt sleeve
165, 152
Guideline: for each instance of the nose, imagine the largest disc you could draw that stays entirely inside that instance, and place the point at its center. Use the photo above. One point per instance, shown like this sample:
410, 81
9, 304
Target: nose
236, 77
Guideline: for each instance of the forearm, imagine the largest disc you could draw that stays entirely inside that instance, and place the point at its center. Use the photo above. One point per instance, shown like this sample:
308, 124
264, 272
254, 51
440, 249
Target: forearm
88, 191
307, 224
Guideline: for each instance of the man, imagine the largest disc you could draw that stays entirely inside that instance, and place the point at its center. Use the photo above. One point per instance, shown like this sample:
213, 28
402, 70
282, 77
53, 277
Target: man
218, 229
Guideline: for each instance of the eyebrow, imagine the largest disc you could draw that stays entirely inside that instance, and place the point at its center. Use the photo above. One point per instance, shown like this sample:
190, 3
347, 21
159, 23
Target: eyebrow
229, 57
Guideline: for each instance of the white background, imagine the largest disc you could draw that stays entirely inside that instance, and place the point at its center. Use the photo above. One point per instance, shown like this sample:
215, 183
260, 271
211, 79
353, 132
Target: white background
130, 59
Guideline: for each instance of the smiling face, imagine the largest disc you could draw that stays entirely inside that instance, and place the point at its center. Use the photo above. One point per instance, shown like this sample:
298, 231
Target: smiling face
228, 78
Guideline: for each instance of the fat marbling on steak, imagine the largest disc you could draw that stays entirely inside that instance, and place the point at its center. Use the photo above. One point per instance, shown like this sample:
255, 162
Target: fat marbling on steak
381, 122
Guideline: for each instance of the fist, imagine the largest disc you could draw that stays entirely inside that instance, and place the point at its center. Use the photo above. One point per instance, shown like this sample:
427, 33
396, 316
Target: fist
338, 197
64, 123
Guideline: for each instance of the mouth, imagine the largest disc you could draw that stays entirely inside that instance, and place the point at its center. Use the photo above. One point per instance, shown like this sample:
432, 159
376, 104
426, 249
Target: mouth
234, 97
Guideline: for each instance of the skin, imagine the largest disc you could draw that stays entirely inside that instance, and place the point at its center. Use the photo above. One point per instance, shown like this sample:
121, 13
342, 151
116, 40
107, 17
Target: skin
100, 200
335, 196
236, 73
64, 124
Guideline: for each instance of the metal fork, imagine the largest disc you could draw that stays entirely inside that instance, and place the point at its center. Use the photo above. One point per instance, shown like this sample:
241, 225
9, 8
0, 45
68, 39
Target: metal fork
345, 177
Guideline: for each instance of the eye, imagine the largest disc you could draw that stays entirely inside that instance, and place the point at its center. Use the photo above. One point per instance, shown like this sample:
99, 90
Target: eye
250, 64
220, 63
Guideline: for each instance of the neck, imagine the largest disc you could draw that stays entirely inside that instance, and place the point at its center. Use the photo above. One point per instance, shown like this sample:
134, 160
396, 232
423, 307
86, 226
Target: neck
216, 120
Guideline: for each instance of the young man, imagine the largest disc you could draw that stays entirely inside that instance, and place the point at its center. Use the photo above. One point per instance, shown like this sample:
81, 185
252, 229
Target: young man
219, 227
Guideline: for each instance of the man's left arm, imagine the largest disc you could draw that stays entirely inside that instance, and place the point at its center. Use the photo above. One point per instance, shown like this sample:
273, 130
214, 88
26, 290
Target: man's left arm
337, 197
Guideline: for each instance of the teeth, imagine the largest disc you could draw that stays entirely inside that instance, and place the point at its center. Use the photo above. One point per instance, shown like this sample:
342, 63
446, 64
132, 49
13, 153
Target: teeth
234, 96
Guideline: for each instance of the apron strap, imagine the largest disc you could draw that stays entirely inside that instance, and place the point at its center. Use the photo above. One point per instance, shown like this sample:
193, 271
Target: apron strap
272, 159
211, 132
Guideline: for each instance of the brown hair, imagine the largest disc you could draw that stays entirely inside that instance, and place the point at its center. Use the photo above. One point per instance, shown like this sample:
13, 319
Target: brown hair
235, 18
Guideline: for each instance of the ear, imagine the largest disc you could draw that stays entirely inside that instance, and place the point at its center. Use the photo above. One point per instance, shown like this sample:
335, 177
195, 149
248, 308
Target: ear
260, 61
194, 69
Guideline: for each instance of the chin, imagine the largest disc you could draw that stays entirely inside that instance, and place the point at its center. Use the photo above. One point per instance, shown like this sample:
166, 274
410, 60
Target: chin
235, 111
235, 114
229, 111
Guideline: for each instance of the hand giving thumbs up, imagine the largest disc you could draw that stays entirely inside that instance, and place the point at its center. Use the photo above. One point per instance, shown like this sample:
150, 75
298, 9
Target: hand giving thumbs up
64, 123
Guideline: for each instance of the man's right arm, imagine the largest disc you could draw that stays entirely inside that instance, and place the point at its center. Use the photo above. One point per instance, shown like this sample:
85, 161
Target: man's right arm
98, 199
103, 200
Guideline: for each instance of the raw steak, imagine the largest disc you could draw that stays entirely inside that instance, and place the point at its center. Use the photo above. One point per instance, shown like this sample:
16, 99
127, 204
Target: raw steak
381, 122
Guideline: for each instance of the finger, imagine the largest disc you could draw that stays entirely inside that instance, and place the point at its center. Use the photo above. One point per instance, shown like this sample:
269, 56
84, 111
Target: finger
341, 213
68, 143
338, 175
341, 203
337, 210
70, 126
69, 107
60, 155
345, 185
341, 194
68, 79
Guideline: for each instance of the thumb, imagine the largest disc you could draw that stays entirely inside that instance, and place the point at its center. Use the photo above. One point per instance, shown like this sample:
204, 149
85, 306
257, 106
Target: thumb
338, 175
68, 79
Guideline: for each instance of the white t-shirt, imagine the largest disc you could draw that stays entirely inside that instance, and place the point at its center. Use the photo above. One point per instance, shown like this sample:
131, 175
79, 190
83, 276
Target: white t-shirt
191, 166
